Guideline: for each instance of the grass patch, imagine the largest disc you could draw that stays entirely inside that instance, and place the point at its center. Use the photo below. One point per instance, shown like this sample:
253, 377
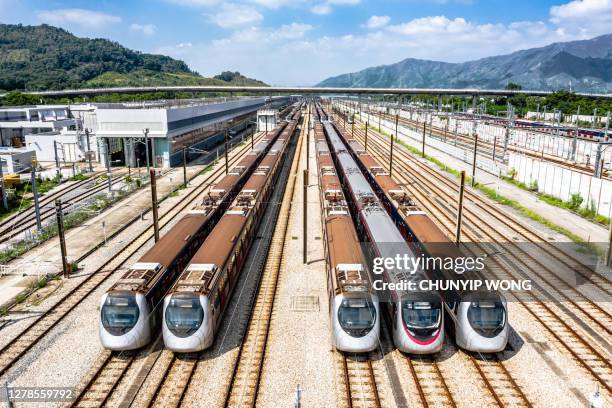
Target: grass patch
3, 311
173, 193
492, 194
20, 298
79, 177
573, 204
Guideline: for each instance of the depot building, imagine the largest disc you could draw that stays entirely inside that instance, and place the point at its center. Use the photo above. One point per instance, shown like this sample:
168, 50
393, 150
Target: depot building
168, 128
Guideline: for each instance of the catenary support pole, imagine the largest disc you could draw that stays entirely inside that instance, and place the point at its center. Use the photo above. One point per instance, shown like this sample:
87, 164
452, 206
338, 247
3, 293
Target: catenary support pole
36, 204
62, 238
146, 138
185, 167
89, 151
57, 162
226, 153
423, 144
154, 204
474, 159
460, 208
2, 186
305, 221
391, 158
366, 135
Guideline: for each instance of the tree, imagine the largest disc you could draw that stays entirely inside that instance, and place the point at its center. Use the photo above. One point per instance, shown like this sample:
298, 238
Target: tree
513, 87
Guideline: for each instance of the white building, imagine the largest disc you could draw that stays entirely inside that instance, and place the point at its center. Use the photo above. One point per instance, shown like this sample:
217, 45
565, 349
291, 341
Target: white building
16, 160
16, 122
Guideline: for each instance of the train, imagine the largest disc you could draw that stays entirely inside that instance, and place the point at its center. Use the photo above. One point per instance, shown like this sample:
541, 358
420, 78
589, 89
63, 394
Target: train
478, 320
417, 316
353, 305
129, 309
194, 306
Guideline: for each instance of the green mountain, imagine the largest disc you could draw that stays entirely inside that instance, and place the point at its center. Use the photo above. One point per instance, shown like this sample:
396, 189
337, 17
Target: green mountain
45, 57
584, 65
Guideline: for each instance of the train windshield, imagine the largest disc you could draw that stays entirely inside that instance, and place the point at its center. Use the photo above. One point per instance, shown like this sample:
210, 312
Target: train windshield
120, 313
184, 315
421, 316
357, 316
487, 318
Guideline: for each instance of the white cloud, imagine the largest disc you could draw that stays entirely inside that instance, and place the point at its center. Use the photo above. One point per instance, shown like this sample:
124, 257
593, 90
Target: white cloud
146, 29
343, 2
300, 57
194, 3
234, 16
81, 17
327, 6
581, 9
275, 4
377, 21
588, 17
321, 9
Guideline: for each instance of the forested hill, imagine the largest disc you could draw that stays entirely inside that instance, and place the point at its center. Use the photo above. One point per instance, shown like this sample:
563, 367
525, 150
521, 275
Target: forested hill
46, 57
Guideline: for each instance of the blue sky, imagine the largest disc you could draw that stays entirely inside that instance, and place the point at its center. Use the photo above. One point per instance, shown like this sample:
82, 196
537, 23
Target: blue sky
300, 42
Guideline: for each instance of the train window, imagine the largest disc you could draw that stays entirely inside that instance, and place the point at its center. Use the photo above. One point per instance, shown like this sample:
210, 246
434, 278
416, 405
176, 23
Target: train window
357, 316
421, 317
119, 313
184, 314
487, 318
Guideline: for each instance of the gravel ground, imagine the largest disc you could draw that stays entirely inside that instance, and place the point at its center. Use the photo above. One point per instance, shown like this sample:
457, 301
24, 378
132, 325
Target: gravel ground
48, 363
307, 359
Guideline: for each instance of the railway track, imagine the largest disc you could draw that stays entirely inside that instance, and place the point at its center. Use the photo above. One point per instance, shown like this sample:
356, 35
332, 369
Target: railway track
498, 381
47, 209
357, 380
552, 284
431, 386
98, 389
581, 348
467, 142
243, 387
42, 324
171, 390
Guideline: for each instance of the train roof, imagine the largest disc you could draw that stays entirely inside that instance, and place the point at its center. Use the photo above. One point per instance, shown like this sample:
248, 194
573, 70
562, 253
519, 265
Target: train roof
142, 274
221, 239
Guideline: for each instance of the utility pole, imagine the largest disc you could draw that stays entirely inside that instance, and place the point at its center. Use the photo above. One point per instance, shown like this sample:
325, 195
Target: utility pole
146, 138
226, 153
36, 205
307, 145
154, 203
108, 166
575, 140
609, 254
423, 146
252, 136
366, 135
305, 239
62, 238
2, 186
185, 166
57, 163
460, 208
391, 157
474, 161
396, 121
88, 151
495, 147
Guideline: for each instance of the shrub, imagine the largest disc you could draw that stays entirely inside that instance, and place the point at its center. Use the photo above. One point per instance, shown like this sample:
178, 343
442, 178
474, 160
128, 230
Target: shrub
575, 201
